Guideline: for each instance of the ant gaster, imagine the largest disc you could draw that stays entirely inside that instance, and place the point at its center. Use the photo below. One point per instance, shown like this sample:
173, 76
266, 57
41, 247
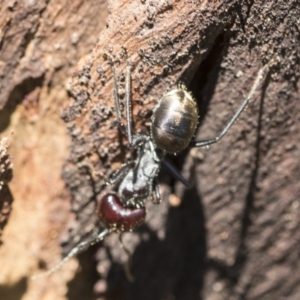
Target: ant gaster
173, 126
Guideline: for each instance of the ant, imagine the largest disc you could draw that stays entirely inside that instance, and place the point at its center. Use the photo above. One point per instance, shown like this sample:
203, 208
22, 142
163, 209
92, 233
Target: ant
173, 126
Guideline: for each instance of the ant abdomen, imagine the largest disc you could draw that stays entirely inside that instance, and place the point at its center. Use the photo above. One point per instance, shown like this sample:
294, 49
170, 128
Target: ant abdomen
174, 120
114, 215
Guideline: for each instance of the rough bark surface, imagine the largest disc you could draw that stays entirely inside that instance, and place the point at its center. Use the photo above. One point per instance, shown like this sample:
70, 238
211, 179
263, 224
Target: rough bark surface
235, 234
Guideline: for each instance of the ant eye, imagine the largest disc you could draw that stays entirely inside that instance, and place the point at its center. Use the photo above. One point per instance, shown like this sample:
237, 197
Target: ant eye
114, 215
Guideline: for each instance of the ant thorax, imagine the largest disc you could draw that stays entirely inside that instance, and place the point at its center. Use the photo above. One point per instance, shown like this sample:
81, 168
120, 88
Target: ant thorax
137, 186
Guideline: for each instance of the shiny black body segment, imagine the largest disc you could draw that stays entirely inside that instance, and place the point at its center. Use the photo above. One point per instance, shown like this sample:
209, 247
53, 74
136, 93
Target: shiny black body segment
174, 120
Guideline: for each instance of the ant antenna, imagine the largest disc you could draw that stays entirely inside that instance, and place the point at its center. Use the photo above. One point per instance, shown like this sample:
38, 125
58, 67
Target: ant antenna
127, 265
76, 250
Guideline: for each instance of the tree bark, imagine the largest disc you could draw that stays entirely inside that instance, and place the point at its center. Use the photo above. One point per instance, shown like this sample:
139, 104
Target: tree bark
234, 234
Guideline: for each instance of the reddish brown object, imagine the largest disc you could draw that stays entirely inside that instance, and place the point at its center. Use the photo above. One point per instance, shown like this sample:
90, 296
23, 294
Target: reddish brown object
114, 215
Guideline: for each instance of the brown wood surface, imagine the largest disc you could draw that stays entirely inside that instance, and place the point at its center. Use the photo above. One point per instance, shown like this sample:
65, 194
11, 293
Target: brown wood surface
235, 234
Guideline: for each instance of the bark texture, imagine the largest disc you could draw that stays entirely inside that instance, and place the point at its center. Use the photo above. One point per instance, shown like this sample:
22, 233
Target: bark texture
235, 234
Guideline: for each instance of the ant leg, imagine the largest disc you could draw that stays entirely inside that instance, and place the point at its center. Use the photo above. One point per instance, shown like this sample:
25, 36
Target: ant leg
176, 173
116, 177
120, 173
127, 270
76, 250
116, 98
128, 103
244, 104
157, 195
133, 139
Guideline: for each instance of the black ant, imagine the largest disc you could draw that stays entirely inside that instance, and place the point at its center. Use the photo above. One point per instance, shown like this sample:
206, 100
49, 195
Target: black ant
173, 126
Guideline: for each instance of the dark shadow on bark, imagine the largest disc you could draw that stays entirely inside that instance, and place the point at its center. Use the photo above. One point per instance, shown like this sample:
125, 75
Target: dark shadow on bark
17, 95
82, 285
205, 79
14, 292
